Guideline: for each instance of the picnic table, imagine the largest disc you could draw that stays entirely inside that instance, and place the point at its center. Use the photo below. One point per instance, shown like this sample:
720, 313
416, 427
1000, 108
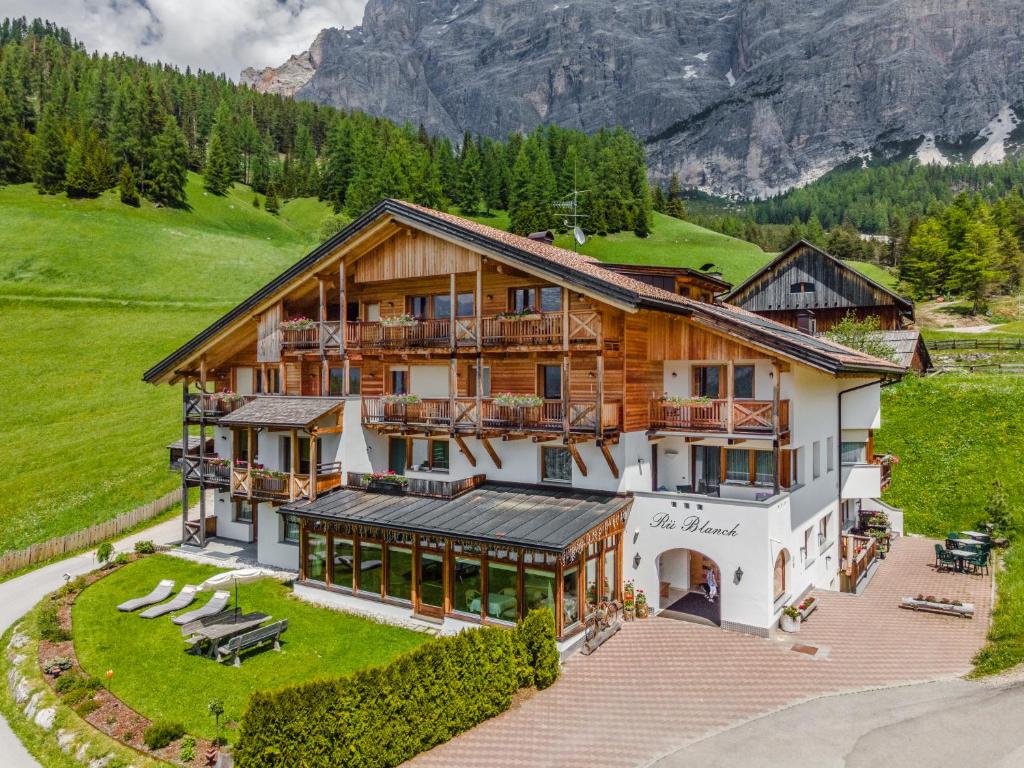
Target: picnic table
960, 554
982, 537
963, 543
215, 634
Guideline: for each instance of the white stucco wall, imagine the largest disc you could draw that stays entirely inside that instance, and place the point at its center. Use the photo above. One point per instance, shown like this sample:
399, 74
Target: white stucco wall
270, 550
227, 527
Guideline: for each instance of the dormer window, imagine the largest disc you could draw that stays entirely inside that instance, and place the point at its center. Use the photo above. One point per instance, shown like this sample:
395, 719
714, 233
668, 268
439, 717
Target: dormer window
801, 288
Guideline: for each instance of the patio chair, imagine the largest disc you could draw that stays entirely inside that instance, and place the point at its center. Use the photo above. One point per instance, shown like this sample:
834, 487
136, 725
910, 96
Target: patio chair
943, 559
161, 592
978, 562
951, 538
214, 605
182, 600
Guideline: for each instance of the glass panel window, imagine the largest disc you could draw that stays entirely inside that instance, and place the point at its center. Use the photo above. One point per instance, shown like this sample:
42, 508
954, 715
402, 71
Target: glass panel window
539, 590
706, 381
570, 596
522, 298
355, 381
485, 378
551, 381
550, 299
502, 600
590, 584
418, 306
243, 512
442, 306
816, 459
371, 567
439, 454
343, 561
289, 529
400, 573
336, 382
399, 381
431, 579
556, 465
467, 586
764, 466
316, 557
854, 453
830, 453
609, 582
737, 466
743, 382
464, 305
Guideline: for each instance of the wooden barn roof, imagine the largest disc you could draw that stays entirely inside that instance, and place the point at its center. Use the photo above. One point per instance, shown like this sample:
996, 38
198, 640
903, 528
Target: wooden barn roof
282, 411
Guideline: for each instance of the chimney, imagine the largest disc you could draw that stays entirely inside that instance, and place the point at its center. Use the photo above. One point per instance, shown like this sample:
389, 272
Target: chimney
805, 322
547, 236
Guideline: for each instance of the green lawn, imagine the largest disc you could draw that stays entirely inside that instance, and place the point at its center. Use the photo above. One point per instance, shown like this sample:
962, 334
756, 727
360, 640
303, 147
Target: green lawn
879, 274
154, 675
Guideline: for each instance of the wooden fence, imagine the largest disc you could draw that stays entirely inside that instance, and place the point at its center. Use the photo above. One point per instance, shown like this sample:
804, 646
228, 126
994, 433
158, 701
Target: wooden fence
1007, 343
79, 540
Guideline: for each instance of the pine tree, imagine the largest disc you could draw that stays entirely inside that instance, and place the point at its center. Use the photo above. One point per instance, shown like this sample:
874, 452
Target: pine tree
256, 202
658, 199
126, 186
977, 265
674, 204
217, 171
270, 205
426, 183
925, 259
13, 147
469, 189
77, 182
51, 153
169, 166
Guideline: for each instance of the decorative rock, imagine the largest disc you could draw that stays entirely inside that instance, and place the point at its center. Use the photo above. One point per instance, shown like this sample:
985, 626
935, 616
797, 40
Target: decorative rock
22, 690
83, 748
101, 762
18, 659
65, 740
33, 704
18, 639
45, 718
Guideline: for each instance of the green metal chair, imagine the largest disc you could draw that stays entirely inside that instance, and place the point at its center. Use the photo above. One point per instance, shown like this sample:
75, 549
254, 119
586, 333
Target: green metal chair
978, 562
943, 559
951, 540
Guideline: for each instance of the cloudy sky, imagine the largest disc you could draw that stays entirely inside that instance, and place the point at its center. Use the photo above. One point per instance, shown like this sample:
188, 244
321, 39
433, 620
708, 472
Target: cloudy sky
218, 35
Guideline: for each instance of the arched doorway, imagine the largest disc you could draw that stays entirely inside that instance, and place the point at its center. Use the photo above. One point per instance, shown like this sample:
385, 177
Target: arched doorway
779, 576
690, 585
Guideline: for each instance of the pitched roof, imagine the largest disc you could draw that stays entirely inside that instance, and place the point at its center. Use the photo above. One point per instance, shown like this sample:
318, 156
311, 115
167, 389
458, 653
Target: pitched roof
584, 272
279, 411
742, 289
548, 519
905, 344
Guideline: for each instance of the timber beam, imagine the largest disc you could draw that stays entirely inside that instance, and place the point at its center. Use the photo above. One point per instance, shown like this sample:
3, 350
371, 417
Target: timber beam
609, 459
490, 451
465, 450
577, 458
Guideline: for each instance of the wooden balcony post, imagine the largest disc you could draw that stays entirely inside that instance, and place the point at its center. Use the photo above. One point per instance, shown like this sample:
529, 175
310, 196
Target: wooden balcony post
249, 459
776, 392
565, 393
451, 312
479, 390
184, 466
730, 389
342, 311
202, 484
294, 448
453, 386
599, 392
344, 376
202, 374
313, 459
478, 306
565, 319
325, 376
321, 314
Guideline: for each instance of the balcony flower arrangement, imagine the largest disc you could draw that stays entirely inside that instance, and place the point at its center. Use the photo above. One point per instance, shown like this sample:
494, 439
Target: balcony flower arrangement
387, 482
228, 399
298, 323
678, 401
526, 313
404, 320
628, 601
642, 610
268, 473
400, 399
508, 400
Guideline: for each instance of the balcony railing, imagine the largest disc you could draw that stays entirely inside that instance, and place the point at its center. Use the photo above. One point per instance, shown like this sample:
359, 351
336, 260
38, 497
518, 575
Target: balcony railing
736, 416
418, 486
205, 405
209, 470
885, 462
282, 486
547, 417
858, 553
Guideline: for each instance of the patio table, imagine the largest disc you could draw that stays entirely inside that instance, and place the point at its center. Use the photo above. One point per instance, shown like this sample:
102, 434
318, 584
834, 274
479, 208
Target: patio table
963, 542
215, 634
982, 537
960, 554
496, 604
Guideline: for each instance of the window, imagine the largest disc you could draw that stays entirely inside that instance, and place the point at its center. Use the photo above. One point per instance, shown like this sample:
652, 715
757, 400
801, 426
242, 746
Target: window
485, 377
304, 456
570, 596
431, 579
803, 287
336, 382
816, 460
737, 466
706, 381
539, 590
764, 468
824, 524
243, 512
289, 529
418, 306
551, 382
854, 453
608, 582
442, 306
371, 567
556, 464
241, 448
550, 299
399, 381
400, 573
502, 600
355, 380
830, 453
316, 557
546, 299
343, 563
272, 384
779, 577
743, 382
430, 455
467, 586
808, 533
439, 455
352, 311
464, 305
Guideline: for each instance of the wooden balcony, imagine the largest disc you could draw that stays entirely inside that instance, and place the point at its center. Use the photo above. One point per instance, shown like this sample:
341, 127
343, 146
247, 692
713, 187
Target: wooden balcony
857, 553
727, 417
885, 462
207, 471
488, 416
311, 337
283, 486
417, 486
205, 406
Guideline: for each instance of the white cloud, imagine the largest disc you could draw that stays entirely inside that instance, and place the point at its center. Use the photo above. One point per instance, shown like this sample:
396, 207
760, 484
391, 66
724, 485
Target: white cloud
218, 35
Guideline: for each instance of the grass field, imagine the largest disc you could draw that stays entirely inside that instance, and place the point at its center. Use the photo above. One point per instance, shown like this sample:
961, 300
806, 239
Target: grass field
154, 675
954, 436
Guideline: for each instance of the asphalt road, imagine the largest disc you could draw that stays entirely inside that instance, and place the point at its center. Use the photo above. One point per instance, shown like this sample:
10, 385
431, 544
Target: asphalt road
954, 722
17, 597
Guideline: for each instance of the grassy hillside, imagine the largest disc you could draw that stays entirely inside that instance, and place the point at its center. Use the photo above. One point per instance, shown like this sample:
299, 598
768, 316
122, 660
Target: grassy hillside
91, 294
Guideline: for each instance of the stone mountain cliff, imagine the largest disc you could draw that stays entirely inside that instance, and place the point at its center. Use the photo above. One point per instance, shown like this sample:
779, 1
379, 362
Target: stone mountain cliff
747, 97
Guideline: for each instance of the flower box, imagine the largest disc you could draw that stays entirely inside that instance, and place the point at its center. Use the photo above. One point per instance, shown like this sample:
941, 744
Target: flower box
298, 324
513, 318
687, 402
400, 399
929, 603
387, 482
806, 607
399, 321
508, 400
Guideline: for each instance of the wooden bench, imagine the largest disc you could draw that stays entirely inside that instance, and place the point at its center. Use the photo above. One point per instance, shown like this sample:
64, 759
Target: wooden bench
233, 647
188, 631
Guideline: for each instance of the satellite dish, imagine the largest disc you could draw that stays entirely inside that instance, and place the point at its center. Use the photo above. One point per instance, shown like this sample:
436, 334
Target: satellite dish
578, 235
706, 267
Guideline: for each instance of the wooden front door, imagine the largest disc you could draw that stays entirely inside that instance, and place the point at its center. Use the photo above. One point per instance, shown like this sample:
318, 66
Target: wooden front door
430, 583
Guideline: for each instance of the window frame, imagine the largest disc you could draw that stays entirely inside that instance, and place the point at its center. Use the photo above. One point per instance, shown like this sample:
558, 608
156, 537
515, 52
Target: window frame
533, 298
236, 509
286, 521
699, 381
555, 481
753, 379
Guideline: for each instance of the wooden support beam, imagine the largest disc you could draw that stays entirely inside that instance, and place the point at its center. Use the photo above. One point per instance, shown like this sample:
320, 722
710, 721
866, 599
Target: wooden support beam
510, 438
565, 319
313, 459
599, 399
609, 459
451, 312
544, 438
694, 439
736, 440
478, 306
574, 452
335, 430
464, 449
490, 451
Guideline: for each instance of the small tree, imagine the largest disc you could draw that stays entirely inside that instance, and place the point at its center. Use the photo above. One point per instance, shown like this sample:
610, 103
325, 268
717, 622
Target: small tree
271, 204
216, 708
256, 201
997, 509
863, 335
126, 186
104, 552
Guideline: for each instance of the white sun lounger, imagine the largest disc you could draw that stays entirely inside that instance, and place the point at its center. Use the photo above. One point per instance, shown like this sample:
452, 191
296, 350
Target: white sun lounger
182, 600
214, 605
162, 591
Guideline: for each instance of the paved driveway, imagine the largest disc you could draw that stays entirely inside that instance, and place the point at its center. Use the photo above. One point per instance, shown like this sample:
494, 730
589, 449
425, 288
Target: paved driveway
662, 684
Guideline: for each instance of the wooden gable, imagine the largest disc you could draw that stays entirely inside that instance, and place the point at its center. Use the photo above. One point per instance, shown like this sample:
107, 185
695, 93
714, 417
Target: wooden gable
412, 254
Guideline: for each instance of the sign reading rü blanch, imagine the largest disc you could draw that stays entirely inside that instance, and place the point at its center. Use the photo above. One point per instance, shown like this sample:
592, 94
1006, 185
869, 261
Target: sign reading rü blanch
692, 524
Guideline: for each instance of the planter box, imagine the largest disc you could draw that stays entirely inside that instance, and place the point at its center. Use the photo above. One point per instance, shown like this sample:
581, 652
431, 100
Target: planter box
382, 486
805, 612
965, 610
518, 318
789, 624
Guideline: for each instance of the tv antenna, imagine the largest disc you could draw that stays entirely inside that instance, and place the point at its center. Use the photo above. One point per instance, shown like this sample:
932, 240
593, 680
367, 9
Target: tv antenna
569, 209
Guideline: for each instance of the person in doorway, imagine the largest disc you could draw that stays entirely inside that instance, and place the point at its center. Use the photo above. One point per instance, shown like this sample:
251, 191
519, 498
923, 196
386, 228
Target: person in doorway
712, 583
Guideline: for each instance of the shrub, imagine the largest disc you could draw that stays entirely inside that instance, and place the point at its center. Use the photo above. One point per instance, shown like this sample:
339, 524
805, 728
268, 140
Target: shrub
145, 547
104, 552
76, 694
161, 733
87, 707
383, 716
66, 682
121, 559
54, 667
48, 624
188, 749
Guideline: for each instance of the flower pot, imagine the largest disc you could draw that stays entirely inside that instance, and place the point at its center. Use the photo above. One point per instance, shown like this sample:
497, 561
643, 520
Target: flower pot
382, 486
628, 614
789, 623
643, 611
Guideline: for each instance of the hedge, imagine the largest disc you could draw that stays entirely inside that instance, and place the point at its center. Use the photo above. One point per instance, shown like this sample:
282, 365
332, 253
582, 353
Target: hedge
383, 716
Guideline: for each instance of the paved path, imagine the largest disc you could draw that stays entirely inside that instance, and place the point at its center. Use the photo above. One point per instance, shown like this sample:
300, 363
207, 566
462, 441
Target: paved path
953, 722
17, 597
661, 684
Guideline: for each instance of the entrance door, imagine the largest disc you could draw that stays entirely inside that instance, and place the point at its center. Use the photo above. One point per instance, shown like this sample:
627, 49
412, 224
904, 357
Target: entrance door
430, 584
707, 468
397, 447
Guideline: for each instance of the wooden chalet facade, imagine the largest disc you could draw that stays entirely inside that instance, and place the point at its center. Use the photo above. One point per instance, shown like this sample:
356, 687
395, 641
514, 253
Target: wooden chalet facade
434, 414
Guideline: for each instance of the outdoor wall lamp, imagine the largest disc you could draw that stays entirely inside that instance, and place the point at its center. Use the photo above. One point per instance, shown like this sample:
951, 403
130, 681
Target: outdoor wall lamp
675, 374
738, 576
636, 561
636, 535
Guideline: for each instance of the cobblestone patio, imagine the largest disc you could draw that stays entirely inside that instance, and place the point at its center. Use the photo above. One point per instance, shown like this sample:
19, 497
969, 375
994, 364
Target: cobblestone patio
660, 684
